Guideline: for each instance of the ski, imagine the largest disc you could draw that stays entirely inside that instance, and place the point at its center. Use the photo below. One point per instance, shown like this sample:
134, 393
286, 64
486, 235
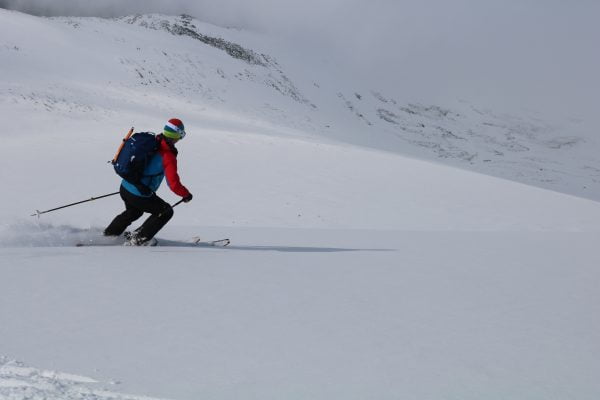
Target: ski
94, 244
100, 242
213, 243
196, 241
117, 241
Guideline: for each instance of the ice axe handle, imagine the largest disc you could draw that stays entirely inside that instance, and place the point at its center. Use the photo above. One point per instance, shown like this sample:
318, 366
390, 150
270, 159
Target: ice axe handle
114, 160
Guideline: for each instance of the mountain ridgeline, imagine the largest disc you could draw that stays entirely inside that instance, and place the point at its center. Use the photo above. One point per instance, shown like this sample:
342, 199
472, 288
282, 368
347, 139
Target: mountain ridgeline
160, 60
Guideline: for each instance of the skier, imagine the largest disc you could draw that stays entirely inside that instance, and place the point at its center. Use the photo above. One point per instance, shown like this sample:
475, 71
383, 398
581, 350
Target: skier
140, 197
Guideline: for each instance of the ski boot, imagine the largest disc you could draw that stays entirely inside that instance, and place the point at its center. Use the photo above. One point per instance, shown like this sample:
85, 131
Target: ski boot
132, 239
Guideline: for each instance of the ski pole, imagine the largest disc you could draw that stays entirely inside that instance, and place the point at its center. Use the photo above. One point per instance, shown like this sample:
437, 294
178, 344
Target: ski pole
38, 212
179, 202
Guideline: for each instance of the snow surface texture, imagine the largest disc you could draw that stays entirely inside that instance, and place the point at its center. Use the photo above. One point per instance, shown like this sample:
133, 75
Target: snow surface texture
354, 271
312, 314
18, 382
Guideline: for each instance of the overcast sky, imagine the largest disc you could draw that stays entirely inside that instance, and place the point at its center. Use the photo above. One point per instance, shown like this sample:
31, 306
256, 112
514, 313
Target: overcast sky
541, 54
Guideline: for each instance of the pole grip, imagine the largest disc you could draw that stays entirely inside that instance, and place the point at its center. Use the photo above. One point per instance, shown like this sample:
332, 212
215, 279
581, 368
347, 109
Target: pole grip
114, 160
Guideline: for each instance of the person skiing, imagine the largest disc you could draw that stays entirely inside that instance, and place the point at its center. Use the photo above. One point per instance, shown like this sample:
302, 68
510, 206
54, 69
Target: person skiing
140, 197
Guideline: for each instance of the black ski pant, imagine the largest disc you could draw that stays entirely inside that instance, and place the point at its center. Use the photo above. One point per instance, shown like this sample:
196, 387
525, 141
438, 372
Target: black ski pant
135, 206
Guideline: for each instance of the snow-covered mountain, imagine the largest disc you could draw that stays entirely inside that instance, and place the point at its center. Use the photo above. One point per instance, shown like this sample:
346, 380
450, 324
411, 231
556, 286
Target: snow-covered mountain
138, 61
363, 263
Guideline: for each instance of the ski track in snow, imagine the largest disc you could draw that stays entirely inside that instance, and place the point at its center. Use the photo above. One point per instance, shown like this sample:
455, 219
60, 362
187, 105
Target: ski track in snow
40, 234
32, 234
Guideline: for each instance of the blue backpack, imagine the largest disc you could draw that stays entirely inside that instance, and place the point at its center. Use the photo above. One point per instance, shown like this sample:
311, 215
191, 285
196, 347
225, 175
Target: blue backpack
135, 155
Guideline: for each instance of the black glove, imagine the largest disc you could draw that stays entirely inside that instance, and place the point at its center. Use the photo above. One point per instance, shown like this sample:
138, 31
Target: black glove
188, 198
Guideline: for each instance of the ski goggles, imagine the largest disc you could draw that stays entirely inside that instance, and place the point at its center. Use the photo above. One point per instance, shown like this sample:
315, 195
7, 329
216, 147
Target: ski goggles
174, 132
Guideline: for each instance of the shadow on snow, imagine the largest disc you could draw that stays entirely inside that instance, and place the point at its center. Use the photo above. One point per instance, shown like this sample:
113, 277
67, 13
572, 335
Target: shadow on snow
285, 249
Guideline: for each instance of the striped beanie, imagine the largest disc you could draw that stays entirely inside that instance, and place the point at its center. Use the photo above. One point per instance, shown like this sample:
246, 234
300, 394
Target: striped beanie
174, 129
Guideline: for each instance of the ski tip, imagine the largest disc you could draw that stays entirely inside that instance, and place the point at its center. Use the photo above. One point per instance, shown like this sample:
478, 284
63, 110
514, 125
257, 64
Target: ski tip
213, 243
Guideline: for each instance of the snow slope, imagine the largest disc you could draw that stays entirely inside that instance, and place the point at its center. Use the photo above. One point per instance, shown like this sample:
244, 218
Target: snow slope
355, 270
311, 314
113, 73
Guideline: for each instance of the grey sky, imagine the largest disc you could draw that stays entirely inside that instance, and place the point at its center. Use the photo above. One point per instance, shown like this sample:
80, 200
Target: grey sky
540, 54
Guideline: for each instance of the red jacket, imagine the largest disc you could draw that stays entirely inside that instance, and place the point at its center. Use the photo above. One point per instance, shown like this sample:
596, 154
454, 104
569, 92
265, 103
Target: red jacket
169, 161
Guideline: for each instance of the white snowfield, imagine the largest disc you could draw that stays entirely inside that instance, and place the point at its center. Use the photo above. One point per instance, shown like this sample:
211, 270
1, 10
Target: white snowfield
362, 265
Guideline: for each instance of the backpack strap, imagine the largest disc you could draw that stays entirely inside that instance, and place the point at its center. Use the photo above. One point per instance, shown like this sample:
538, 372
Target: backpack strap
169, 143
